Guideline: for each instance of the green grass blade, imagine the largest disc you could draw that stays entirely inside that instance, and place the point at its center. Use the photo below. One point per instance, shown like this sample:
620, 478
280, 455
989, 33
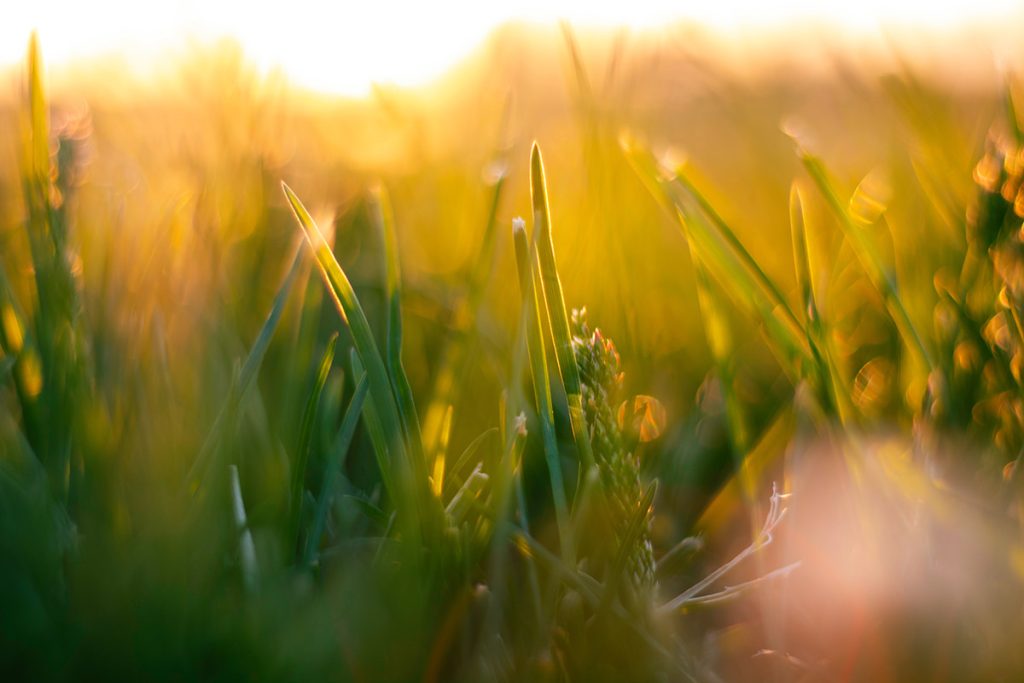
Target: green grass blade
828, 380
55, 311
738, 280
532, 574
526, 261
466, 495
801, 256
227, 418
723, 350
306, 438
378, 438
769, 289
335, 462
714, 243
555, 305
412, 492
502, 490
39, 150
246, 544
35, 168
869, 259
381, 209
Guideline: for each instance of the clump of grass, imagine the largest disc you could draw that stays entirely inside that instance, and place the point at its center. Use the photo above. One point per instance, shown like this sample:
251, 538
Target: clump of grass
322, 532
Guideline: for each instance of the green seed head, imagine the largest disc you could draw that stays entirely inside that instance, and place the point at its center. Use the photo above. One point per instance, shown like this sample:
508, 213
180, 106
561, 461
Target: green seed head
601, 384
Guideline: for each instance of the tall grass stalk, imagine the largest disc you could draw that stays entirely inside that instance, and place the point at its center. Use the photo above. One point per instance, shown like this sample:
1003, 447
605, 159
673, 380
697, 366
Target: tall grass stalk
529, 286
554, 304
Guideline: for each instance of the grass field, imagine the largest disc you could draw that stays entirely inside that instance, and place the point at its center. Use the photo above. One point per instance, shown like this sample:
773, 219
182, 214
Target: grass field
641, 368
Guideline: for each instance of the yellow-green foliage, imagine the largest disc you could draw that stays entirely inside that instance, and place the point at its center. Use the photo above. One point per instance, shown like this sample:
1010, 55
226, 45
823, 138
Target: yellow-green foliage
321, 435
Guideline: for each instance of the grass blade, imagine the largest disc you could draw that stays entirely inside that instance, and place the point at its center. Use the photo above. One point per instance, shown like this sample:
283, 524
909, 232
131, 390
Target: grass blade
438, 468
555, 305
737, 251
869, 259
713, 242
246, 544
526, 261
381, 209
306, 438
56, 310
827, 375
335, 462
375, 429
709, 247
723, 350
465, 457
228, 416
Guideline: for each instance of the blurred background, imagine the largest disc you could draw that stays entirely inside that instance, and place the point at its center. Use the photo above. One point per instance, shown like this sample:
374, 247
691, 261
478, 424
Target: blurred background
171, 126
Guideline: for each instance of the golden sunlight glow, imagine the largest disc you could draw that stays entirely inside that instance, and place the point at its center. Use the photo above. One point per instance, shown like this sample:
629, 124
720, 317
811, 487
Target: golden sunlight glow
345, 47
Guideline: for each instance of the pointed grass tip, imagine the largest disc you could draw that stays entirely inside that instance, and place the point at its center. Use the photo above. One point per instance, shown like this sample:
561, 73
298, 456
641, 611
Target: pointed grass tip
538, 184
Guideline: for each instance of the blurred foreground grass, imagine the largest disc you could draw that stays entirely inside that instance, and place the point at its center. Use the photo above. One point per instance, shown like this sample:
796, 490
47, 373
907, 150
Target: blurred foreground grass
364, 430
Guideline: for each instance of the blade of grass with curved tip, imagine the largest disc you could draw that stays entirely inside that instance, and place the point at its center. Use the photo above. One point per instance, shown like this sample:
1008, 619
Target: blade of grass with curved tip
240, 389
399, 466
555, 306
381, 210
526, 261
335, 462
869, 258
306, 438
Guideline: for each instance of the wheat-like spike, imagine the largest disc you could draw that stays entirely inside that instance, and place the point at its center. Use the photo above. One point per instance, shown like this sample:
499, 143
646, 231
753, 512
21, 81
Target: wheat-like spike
601, 382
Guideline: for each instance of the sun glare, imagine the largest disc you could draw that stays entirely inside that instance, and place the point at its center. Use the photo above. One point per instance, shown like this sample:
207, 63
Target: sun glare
346, 47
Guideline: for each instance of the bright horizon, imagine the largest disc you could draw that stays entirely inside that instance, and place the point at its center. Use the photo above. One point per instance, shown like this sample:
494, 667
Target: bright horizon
411, 43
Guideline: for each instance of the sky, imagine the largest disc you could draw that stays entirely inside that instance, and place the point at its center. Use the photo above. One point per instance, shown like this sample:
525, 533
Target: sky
344, 47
